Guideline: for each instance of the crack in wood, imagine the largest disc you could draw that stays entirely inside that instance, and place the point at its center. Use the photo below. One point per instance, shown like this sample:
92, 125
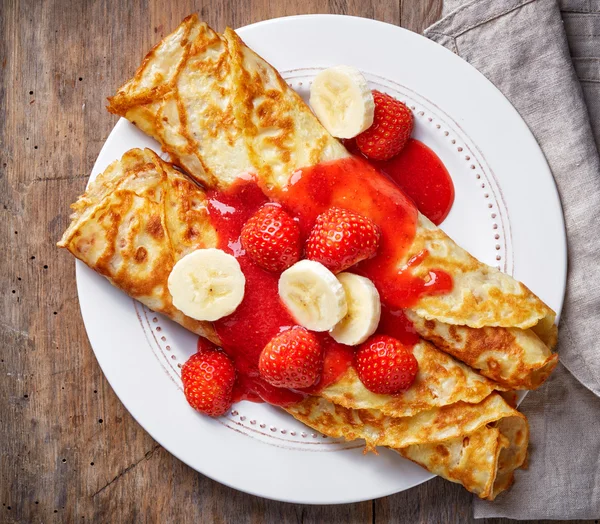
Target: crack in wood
60, 371
127, 469
54, 178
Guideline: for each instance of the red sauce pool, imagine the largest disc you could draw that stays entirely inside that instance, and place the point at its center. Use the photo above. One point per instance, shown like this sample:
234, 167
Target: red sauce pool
395, 323
350, 183
421, 174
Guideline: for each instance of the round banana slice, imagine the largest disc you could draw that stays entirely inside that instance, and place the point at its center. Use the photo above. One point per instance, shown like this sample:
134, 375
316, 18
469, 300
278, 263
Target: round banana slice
312, 295
364, 310
342, 101
207, 284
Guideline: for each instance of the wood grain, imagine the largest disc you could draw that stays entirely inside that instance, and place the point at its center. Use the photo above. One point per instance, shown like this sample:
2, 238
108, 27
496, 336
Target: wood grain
69, 451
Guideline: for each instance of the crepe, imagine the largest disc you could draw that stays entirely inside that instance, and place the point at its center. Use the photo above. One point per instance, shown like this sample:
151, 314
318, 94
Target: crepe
134, 222
141, 215
515, 358
440, 381
220, 111
478, 446
186, 95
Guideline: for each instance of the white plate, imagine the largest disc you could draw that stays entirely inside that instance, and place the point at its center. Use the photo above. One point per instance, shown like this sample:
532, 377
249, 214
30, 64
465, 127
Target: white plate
507, 213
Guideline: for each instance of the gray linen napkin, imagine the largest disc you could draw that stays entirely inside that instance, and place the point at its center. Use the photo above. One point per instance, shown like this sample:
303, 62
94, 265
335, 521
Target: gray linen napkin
524, 47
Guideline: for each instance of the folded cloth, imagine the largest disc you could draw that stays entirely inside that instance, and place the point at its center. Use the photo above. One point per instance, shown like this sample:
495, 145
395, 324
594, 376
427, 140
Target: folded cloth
524, 47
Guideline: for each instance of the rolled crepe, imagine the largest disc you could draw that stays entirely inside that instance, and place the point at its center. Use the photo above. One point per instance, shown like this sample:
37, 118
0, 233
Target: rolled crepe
220, 110
141, 215
476, 445
515, 358
134, 222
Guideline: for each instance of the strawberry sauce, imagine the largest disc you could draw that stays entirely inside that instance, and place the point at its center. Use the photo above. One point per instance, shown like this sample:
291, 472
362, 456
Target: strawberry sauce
421, 174
396, 324
353, 184
261, 315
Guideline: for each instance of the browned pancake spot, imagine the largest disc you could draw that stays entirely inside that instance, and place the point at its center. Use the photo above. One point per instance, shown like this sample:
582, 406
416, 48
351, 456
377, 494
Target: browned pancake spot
154, 227
140, 254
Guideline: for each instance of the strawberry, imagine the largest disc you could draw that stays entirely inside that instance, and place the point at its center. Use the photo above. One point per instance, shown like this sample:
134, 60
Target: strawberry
271, 238
391, 129
385, 366
208, 377
342, 238
292, 359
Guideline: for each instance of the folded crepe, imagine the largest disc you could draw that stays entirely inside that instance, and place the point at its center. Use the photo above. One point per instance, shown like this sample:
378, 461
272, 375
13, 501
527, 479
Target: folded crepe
141, 215
134, 222
476, 445
220, 110
516, 358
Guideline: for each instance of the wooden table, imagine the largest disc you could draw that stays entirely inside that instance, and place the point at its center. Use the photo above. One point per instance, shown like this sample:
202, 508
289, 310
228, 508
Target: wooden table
69, 449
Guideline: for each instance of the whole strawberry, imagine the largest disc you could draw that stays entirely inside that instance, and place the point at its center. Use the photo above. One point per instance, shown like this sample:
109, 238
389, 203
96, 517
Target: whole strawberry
392, 125
292, 359
208, 378
342, 238
271, 238
385, 366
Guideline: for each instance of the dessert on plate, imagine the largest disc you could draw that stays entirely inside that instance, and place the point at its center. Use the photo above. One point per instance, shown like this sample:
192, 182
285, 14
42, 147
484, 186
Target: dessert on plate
313, 280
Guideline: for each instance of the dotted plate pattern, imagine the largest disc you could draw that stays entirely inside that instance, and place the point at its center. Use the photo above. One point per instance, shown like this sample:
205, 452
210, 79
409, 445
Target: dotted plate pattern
172, 345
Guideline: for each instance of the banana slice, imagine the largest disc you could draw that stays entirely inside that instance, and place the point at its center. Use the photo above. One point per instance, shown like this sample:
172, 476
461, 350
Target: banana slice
342, 101
207, 284
313, 296
364, 310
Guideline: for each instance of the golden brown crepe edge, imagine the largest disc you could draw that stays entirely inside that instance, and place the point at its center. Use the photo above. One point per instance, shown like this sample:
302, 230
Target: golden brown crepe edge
487, 349
97, 198
481, 454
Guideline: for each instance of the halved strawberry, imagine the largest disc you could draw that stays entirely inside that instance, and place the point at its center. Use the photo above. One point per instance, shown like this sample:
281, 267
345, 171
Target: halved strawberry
292, 359
392, 125
342, 238
271, 237
208, 378
385, 366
